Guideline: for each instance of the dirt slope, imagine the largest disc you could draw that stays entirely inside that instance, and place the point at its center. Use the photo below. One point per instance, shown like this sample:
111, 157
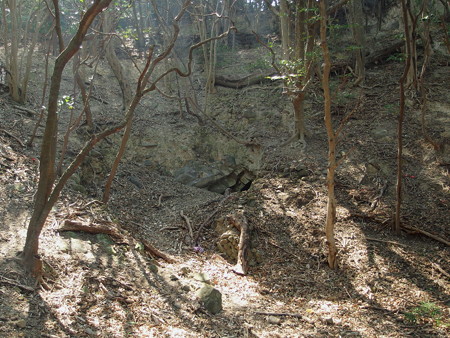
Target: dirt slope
97, 285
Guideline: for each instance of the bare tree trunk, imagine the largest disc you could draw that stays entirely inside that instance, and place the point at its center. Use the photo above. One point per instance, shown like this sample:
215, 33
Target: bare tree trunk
140, 42
116, 66
115, 166
73, 125
37, 20
211, 71
404, 82
300, 30
356, 15
80, 77
44, 94
411, 47
303, 60
12, 61
331, 205
298, 103
284, 22
58, 25
46, 196
426, 41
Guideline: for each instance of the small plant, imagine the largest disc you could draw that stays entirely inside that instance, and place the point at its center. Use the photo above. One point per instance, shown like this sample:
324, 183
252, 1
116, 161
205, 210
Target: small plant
353, 48
390, 108
426, 312
67, 101
397, 57
259, 63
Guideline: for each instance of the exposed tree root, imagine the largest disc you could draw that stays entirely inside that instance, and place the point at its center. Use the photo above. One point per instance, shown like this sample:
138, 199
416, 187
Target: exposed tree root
410, 229
70, 225
240, 222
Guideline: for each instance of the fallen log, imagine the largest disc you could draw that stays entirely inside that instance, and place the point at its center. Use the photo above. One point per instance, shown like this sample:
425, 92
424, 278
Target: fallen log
240, 222
337, 67
374, 57
385, 52
239, 83
70, 225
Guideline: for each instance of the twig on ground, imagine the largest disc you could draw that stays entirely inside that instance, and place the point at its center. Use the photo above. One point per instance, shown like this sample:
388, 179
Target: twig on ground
26, 110
155, 252
13, 283
281, 314
283, 249
377, 198
383, 241
437, 267
169, 228
14, 137
412, 229
188, 224
90, 203
210, 217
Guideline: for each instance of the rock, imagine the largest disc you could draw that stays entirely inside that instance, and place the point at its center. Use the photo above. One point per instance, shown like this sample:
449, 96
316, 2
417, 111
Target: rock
215, 176
104, 239
186, 288
79, 246
210, 298
249, 114
78, 187
21, 323
136, 181
153, 268
331, 321
201, 277
89, 331
228, 243
184, 271
274, 320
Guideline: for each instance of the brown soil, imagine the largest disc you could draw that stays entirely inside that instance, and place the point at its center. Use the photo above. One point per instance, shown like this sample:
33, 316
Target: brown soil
386, 285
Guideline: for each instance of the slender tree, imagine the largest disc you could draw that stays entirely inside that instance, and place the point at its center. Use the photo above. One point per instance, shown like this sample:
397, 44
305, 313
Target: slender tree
47, 194
296, 64
20, 38
332, 164
404, 81
356, 17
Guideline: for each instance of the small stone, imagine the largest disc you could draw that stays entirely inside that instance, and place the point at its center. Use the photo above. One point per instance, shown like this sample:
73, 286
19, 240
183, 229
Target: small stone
136, 181
21, 323
153, 268
274, 320
184, 271
186, 288
211, 299
201, 277
328, 320
89, 331
173, 277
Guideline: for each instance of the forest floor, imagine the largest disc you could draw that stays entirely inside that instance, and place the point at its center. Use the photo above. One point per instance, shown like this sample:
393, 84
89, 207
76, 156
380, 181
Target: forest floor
108, 286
